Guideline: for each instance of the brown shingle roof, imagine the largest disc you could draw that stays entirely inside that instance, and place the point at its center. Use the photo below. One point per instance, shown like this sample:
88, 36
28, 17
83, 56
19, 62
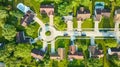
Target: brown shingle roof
27, 18
83, 14
77, 55
37, 54
60, 55
61, 52
100, 13
95, 52
47, 9
20, 38
72, 49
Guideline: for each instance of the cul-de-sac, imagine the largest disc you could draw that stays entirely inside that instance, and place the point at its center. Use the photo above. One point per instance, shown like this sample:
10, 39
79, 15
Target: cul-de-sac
59, 33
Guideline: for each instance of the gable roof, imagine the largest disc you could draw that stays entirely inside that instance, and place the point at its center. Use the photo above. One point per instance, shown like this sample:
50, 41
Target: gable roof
20, 38
94, 51
27, 18
38, 52
83, 13
46, 6
47, 9
82, 10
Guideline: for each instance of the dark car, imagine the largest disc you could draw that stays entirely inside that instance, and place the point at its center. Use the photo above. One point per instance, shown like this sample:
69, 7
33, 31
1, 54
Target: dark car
83, 34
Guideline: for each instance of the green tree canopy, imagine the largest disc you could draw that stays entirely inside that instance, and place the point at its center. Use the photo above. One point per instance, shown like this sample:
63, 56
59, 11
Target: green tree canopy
23, 51
8, 32
32, 30
64, 9
3, 17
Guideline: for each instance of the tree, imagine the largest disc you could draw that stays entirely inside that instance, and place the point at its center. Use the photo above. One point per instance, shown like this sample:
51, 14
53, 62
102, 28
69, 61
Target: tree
93, 62
3, 17
64, 9
23, 51
6, 52
111, 43
8, 32
32, 30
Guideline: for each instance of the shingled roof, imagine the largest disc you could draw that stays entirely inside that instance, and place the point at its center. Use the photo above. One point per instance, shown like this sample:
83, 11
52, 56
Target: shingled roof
73, 54
37, 54
47, 9
117, 15
99, 13
20, 38
27, 18
60, 55
94, 52
83, 14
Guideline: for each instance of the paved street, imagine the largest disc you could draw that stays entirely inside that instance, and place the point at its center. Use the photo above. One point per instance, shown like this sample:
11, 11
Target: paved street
55, 33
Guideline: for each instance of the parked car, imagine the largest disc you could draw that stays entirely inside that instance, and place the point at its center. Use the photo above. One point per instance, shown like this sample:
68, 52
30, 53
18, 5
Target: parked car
83, 34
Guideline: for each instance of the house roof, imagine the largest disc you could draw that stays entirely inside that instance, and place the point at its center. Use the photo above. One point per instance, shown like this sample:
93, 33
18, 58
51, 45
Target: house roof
115, 49
38, 52
61, 52
94, 51
98, 11
118, 11
83, 13
82, 10
46, 6
27, 18
54, 56
72, 49
106, 13
20, 38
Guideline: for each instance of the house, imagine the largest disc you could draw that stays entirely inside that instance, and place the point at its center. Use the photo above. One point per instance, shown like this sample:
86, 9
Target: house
117, 15
83, 14
21, 38
60, 55
106, 13
98, 15
73, 54
2, 64
114, 51
38, 54
27, 18
55, 56
23, 7
100, 11
99, 5
47, 9
95, 52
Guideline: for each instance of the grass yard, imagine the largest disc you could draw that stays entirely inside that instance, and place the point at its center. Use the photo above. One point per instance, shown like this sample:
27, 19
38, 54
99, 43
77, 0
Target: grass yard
74, 22
88, 23
106, 23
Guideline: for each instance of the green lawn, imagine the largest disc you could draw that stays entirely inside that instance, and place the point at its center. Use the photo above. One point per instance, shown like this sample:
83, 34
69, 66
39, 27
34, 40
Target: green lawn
74, 22
106, 23
88, 23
